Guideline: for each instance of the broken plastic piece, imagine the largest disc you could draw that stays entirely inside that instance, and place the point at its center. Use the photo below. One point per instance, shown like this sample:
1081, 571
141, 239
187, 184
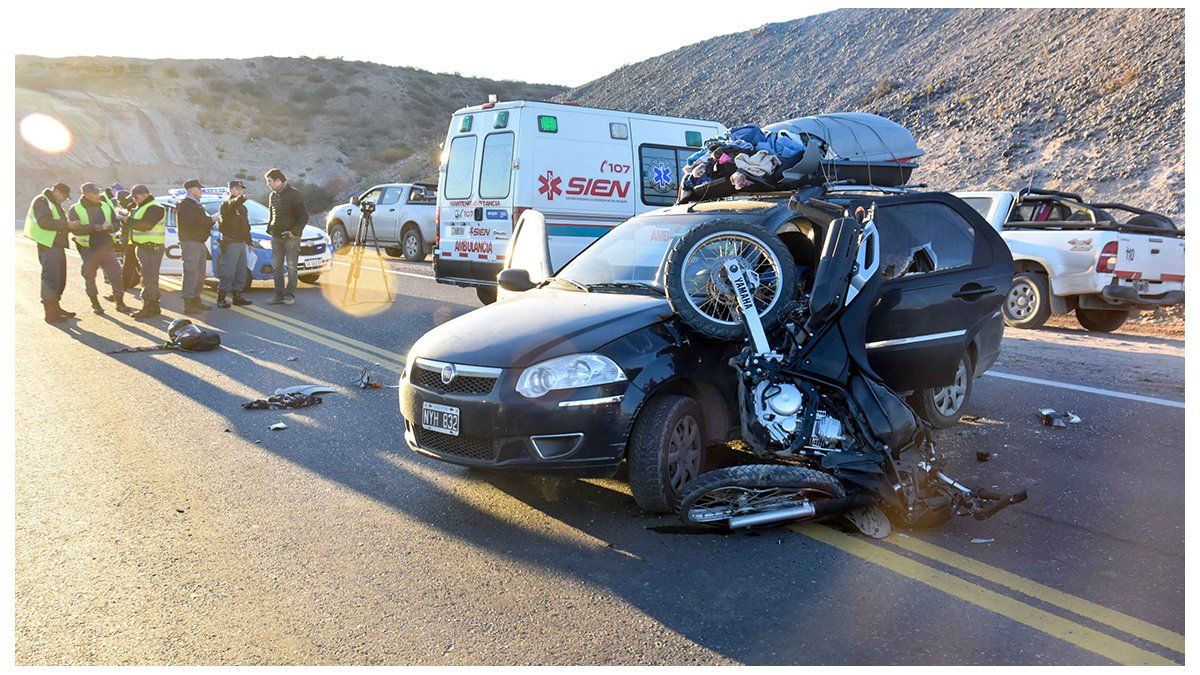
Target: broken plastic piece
293, 358
982, 541
1052, 418
309, 389
982, 456
280, 401
278, 426
1072, 418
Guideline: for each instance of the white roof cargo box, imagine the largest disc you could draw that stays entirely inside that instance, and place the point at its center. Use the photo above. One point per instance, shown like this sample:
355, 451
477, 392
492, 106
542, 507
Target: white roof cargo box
859, 146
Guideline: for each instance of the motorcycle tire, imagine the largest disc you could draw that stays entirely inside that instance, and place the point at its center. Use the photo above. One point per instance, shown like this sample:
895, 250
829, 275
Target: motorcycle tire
734, 481
700, 297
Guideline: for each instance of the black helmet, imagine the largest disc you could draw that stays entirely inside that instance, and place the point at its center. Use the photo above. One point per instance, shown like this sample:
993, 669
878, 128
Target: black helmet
173, 331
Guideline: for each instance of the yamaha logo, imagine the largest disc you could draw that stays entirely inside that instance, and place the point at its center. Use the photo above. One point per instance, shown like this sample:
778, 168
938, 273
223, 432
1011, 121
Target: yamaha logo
448, 373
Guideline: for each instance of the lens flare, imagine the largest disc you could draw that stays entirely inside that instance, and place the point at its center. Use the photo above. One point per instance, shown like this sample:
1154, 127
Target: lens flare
46, 133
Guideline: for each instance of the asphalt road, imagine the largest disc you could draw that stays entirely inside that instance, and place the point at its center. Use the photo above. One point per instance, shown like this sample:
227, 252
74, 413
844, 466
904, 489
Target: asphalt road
159, 522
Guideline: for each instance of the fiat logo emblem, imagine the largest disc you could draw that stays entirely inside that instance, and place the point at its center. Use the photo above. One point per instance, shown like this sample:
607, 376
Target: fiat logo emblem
448, 373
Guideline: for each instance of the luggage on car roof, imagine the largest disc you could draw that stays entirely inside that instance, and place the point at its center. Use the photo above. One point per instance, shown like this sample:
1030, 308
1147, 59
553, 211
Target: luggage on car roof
860, 147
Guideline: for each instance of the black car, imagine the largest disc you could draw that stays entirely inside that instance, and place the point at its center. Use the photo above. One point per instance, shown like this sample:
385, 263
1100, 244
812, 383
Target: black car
591, 367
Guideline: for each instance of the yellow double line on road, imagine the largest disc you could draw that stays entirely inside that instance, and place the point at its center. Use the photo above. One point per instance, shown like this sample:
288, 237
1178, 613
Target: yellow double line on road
1067, 630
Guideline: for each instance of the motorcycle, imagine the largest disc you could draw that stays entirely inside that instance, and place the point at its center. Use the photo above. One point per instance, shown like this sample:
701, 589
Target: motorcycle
842, 443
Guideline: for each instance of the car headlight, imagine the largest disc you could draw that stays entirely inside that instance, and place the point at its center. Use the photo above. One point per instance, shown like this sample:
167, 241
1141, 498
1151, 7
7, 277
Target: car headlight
264, 244
568, 372
408, 363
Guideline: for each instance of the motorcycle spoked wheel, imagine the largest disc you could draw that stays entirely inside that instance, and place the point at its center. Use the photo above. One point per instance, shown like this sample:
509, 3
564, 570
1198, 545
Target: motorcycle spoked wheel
712, 498
699, 290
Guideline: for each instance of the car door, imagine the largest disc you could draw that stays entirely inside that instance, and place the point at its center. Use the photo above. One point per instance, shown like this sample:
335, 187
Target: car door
387, 214
942, 285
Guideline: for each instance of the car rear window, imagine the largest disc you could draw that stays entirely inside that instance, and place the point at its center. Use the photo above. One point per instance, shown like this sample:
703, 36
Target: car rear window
921, 238
496, 168
460, 167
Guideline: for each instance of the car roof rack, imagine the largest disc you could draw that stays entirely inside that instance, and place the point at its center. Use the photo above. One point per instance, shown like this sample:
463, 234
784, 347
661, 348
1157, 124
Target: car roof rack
883, 189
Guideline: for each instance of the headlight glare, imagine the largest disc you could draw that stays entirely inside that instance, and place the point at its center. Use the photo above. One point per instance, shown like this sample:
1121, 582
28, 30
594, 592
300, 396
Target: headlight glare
568, 372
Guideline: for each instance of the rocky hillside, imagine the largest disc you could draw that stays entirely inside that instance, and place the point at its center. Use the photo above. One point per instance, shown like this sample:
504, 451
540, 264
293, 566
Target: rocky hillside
333, 125
1088, 100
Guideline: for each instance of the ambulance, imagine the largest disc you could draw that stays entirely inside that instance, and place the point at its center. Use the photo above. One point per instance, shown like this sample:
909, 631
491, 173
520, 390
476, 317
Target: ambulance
555, 177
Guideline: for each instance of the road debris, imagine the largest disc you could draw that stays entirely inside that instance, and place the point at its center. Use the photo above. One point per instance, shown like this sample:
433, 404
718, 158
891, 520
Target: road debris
1052, 418
293, 358
281, 401
982, 541
278, 426
310, 389
982, 456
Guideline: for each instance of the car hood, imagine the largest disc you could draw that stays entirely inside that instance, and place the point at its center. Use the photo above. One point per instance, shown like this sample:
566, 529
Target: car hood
540, 324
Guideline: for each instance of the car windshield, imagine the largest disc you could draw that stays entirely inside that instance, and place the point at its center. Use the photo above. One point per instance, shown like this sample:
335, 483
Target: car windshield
632, 255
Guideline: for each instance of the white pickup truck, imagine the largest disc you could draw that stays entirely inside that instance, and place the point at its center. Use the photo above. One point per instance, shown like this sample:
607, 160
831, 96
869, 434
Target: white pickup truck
405, 219
1071, 255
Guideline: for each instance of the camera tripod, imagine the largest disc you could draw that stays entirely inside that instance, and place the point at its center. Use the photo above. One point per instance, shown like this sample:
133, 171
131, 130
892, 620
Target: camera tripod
366, 225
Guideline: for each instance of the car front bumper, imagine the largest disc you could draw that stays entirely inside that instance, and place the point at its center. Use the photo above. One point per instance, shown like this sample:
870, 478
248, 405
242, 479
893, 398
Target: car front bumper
580, 432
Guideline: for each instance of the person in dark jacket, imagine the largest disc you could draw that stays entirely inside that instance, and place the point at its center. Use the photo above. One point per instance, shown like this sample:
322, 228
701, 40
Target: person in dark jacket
289, 215
235, 243
47, 224
195, 227
146, 228
95, 219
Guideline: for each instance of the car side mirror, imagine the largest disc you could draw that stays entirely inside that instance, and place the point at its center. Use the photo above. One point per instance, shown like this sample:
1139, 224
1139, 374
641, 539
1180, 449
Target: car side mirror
515, 280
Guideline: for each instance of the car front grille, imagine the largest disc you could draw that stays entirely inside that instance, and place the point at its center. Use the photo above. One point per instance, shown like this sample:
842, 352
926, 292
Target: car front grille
467, 447
311, 248
426, 378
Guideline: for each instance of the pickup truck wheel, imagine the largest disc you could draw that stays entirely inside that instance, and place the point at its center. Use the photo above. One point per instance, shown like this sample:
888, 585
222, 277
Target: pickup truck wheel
1101, 320
338, 238
666, 450
943, 406
1027, 304
413, 245
486, 294
393, 251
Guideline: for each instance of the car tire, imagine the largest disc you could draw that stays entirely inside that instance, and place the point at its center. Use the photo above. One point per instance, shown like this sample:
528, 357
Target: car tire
393, 251
413, 245
1027, 303
943, 406
486, 294
1101, 320
249, 281
666, 451
338, 238
309, 278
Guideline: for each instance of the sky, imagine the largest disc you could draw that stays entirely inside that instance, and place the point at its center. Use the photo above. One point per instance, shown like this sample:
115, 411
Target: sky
555, 42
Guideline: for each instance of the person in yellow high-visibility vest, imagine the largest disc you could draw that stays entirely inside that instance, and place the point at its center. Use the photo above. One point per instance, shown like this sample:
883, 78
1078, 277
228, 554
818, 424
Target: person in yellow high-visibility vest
147, 225
46, 223
97, 218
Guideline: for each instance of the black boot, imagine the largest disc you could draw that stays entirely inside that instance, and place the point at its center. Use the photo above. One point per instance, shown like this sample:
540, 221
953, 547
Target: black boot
59, 310
51, 315
122, 307
221, 301
192, 307
149, 309
239, 299
96, 308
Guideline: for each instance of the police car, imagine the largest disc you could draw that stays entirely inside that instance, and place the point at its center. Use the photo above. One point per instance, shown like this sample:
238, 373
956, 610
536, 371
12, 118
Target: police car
316, 252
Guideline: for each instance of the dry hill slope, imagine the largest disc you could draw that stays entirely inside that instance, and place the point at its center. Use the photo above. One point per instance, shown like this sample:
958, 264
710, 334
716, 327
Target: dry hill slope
332, 124
1088, 100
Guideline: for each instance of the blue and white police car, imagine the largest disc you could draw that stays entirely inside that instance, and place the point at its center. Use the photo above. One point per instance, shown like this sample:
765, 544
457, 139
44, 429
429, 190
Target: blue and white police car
316, 252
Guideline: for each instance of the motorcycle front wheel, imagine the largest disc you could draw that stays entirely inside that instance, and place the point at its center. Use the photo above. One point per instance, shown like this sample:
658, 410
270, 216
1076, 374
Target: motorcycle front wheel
698, 287
771, 493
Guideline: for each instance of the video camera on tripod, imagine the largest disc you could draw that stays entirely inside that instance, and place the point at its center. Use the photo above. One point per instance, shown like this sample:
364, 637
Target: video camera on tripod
365, 229
366, 206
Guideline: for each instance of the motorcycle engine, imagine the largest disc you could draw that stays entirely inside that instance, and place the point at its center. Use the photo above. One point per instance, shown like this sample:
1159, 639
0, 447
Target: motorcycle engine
781, 409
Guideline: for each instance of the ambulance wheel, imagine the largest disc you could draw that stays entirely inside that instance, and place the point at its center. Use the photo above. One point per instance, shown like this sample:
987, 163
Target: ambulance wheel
487, 294
309, 278
1101, 320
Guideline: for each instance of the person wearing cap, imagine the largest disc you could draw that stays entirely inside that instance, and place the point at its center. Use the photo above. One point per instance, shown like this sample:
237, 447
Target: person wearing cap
46, 223
235, 243
195, 227
289, 215
147, 226
95, 219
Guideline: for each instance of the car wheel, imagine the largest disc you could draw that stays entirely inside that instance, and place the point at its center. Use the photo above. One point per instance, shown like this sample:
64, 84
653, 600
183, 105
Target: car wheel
249, 282
666, 450
413, 245
309, 278
486, 294
943, 406
338, 238
1027, 304
393, 251
1101, 320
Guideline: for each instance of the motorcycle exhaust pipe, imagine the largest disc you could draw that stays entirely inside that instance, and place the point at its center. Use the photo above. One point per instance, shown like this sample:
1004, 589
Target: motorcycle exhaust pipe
825, 508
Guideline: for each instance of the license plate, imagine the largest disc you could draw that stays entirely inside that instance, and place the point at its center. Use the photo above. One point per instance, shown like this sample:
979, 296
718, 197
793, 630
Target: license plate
440, 418
1141, 285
